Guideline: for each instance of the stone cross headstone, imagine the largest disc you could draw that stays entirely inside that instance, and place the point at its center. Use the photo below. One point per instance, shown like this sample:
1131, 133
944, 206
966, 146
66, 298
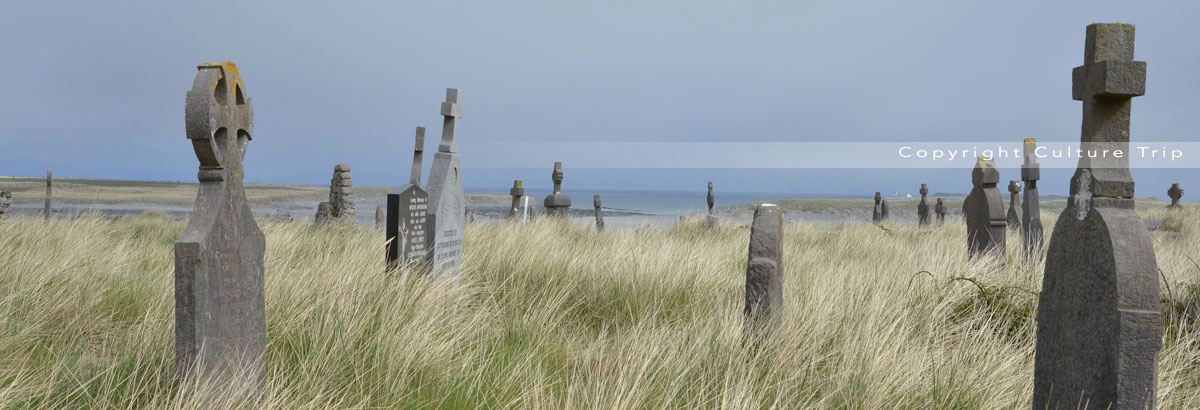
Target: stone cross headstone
1176, 192
1014, 200
220, 319
923, 207
764, 273
985, 210
517, 191
557, 203
380, 216
877, 212
599, 215
406, 213
1031, 208
447, 205
940, 209
49, 192
1099, 327
341, 195
324, 214
5, 202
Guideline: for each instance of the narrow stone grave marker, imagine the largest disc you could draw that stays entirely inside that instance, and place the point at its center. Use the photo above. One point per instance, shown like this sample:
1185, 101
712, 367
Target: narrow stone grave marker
923, 207
1176, 192
49, 192
341, 195
380, 216
1031, 208
447, 205
557, 203
517, 191
599, 215
1099, 324
985, 210
940, 209
1014, 192
877, 212
764, 274
5, 202
713, 220
220, 318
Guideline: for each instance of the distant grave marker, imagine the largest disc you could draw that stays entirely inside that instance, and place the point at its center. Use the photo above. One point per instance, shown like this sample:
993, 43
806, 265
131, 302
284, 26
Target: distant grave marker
1176, 192
406, 226
324, 214
49, 192
517, 191
220, 319
1014, 192
599, 215
1031, 209
923, 207
1099, 327
713, 220
877, 212
341, 195
5, 202
557, 203
940, 209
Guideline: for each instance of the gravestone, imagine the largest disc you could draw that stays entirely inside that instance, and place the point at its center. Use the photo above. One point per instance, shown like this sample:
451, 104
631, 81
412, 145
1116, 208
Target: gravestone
713, 220
1031, 208
525, 210
877, 212
5, 202
1176, 192
1014, 191
220, 322
764, 273
380, 216
324, 214
517, 191
406, 226
940, 209
985, 210
1099, 327
557, 204
341, 195
49, 192
447, 206
883, 209
599, 216
923, 207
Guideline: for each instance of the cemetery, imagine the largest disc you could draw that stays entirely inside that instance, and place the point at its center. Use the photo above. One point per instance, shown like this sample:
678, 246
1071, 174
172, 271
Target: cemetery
224, 292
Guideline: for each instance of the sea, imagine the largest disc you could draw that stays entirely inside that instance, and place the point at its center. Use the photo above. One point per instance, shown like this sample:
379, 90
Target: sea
659, 202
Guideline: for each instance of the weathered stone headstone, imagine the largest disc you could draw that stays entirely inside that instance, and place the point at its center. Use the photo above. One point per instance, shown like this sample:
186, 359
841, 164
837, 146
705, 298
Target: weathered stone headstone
380, 216
940, 209
1031, 208
5, 202
341, 195
923, 207
884, 213
517, 191
447, 206
324, 214
406, 212
877, 212
764, 273
1014, 193
599, 215
1176, 192
49, 191
557, 203
1099, 324
713, 220
712, 199
220, 322
985, 210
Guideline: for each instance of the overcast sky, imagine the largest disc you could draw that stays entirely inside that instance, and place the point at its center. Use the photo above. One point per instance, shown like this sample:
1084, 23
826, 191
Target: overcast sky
97, 89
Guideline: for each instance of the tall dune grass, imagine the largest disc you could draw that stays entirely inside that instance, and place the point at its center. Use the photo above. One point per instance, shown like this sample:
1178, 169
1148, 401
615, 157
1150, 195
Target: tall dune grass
551, 315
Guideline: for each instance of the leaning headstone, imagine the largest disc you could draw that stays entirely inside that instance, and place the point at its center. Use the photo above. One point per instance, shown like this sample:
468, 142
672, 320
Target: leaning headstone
324, 214
557, 203
764, 273
1176, 192
447, 206
220, 319
49, 191
1014, 192
517, 191
1099, 327
877, 212
380, 216
940, 209
985, 210
341, 195
923, 207
599, 215
406, 225
5, 202
1031, 209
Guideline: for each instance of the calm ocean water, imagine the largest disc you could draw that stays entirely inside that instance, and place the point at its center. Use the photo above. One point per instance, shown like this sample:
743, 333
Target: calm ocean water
655, 202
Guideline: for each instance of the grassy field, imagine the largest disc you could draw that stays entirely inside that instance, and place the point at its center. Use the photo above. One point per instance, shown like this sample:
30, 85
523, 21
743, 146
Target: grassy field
549, 315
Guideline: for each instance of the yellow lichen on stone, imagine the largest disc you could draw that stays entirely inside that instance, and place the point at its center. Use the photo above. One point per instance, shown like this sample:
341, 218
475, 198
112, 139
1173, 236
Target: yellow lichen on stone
229, 68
